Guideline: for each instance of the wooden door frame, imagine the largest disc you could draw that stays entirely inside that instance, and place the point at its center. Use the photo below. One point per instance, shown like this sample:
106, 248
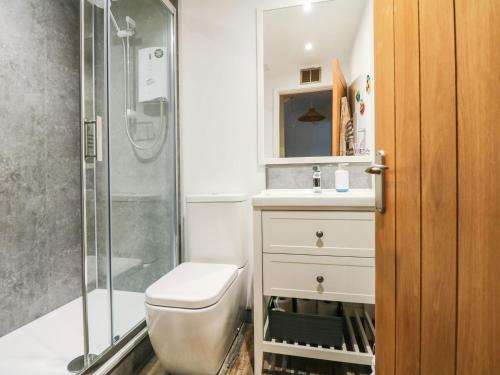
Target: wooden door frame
385, 240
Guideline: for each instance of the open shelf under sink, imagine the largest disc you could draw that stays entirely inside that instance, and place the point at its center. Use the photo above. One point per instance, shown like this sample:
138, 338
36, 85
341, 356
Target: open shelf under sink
358, 342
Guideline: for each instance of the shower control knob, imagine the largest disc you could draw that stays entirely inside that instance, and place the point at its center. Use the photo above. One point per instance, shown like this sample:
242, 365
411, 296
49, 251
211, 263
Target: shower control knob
319, 234
320, 279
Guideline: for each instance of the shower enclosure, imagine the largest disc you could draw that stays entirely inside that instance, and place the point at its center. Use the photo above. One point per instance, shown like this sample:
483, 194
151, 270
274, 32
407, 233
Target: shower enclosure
129, 158
129, 178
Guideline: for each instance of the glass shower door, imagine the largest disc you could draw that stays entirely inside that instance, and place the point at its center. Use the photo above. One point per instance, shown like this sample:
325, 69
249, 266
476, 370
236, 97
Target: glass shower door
129, 162
95, 200
142, 153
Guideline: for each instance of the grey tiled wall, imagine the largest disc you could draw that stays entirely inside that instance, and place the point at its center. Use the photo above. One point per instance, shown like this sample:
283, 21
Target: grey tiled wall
140, 231
299, 176
39, 159
142, 183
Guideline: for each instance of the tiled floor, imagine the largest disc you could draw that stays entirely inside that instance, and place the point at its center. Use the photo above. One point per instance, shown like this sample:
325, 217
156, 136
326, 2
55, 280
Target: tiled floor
240, 362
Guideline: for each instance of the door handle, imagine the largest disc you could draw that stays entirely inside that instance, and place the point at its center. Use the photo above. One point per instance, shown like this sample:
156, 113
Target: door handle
90, 138
378, 169
93, 138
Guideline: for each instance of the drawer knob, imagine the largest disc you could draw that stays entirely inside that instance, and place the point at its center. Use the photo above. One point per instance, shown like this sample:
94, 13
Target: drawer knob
320, 279
319, 234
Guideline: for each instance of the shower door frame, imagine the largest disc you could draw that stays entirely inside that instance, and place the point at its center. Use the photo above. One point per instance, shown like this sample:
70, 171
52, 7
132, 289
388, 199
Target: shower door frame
139, 330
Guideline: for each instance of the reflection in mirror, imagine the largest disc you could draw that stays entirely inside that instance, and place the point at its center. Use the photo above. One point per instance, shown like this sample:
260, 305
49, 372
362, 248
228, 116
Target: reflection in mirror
306, 124
318, 80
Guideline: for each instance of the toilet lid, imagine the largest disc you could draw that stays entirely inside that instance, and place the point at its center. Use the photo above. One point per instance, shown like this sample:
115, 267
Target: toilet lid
192, 285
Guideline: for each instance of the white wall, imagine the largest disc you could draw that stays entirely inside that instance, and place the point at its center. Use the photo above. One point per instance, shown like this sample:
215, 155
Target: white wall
363, 63
362, 55
218, 97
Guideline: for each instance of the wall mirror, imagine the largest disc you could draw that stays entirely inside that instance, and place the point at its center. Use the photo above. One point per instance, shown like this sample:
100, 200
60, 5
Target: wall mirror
316, 85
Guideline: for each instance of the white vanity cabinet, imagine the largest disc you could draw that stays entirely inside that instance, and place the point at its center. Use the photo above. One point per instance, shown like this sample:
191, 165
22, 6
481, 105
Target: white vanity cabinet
307, 250
343, 279
300, 247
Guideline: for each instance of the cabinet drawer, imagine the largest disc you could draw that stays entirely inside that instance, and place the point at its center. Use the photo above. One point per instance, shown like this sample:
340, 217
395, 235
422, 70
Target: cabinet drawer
319, 233
345, 279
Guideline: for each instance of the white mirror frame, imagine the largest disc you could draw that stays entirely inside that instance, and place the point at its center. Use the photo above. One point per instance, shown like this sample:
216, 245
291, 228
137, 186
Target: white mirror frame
263, 160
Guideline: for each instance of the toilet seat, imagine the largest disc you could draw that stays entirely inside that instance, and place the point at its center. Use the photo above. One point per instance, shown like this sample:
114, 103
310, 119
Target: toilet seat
192, 285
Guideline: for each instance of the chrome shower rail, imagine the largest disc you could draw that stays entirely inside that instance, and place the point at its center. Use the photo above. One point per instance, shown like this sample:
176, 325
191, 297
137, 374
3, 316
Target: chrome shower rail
83, 185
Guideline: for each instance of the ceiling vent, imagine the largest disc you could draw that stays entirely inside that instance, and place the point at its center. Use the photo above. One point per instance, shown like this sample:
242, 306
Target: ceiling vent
310, 75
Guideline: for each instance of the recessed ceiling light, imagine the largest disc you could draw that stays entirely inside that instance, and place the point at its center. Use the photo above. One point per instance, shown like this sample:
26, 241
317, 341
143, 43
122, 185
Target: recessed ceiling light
308, 46
307, 6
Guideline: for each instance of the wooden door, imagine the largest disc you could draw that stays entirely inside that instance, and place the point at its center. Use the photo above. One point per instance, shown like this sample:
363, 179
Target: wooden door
339, 90
385, 235
478, 77
438, 244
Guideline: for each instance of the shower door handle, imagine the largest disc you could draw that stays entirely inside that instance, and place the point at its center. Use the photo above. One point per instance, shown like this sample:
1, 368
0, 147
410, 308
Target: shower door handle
378, 169
93, 138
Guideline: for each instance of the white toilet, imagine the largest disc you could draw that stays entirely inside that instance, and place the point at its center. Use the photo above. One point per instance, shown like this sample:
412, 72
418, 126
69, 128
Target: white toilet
194, 311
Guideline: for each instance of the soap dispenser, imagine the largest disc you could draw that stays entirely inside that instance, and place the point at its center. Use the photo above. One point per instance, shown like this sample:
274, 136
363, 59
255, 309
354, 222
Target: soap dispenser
342, 178
316, 179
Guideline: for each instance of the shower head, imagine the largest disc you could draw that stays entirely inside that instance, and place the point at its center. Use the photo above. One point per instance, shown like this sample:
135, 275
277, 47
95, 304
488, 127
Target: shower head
129, 31
130, 23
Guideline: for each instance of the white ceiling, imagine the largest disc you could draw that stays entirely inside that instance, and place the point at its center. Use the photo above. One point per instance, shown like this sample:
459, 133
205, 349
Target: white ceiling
331, 27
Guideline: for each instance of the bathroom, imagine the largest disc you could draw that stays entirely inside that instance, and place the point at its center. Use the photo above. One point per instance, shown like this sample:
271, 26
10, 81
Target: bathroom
249, 187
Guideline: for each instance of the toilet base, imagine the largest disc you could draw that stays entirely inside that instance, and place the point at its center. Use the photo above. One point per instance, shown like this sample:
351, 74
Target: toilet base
196, 341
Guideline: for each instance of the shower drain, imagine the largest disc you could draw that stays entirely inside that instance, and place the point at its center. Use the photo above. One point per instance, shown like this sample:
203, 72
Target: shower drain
79, 363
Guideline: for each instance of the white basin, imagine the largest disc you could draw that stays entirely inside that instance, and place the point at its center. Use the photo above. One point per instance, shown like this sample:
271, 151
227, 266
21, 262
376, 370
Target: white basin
362, 198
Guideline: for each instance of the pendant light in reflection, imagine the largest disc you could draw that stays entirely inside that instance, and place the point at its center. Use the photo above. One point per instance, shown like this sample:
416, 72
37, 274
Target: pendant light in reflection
311, 116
